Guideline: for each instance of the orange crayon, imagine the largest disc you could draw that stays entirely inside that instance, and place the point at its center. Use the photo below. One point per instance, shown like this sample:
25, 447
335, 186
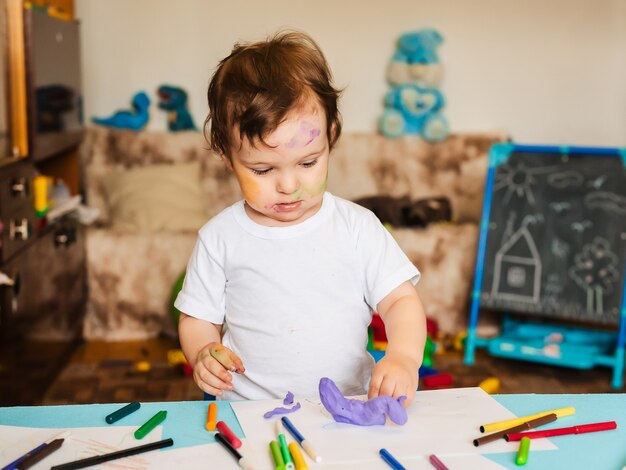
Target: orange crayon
211, 419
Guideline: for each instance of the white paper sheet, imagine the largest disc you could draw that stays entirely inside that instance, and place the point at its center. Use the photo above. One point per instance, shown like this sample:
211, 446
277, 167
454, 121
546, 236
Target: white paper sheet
81, 444
441, 422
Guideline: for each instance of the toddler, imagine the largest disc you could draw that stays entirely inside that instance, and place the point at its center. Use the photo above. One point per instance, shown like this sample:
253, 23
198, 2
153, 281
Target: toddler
287, 278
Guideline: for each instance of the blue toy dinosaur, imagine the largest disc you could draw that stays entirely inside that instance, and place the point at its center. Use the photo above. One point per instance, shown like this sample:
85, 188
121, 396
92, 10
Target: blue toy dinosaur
174, 100
123, 119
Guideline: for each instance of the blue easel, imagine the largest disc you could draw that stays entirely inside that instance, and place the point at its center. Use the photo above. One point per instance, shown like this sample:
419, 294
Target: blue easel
576, 347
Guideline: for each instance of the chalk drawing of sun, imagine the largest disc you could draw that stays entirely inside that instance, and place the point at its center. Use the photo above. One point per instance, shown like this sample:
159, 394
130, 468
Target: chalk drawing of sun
517, 180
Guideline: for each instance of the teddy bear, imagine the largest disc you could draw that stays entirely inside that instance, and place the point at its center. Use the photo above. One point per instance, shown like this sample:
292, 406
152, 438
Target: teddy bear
416, 59
414, 103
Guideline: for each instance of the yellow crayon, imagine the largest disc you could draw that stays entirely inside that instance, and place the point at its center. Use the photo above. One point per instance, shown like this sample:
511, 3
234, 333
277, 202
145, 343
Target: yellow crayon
509, 423
211, 419
297, 457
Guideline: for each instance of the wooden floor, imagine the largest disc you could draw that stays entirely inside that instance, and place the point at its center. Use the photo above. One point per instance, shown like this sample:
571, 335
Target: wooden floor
98, 372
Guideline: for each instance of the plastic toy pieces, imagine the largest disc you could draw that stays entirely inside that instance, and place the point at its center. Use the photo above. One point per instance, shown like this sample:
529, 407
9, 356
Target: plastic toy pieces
437, 381
362, 413
490, 385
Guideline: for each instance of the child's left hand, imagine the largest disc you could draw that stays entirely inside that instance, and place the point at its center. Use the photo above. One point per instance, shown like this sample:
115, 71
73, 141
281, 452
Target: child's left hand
394, 375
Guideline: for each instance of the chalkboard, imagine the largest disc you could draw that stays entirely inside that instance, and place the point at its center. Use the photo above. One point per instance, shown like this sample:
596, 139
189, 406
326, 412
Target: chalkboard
556, 236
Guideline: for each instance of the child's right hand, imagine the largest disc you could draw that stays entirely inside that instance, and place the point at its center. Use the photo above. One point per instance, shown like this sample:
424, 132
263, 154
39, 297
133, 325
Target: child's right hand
211, 371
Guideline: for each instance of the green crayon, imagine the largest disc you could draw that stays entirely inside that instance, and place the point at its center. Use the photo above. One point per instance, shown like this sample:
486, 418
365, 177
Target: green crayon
285, 451
522, 453
277, 455
150, 424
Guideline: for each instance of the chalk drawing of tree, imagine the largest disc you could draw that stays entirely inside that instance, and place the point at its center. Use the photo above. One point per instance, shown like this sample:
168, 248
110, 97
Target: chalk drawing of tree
595, 271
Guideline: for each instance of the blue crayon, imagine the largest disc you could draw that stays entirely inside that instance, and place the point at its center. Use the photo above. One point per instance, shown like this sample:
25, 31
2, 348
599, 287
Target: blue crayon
306, 445
390, 459
122, 412
13, 465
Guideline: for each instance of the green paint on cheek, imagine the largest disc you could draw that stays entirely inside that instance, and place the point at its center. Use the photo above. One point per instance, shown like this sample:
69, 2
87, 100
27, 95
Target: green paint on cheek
318, 188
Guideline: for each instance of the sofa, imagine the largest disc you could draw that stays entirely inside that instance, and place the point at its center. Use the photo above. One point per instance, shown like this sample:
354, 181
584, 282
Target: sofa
154, 190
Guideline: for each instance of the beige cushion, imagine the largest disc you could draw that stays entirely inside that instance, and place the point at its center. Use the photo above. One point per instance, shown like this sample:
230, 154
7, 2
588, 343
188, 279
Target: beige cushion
156, 198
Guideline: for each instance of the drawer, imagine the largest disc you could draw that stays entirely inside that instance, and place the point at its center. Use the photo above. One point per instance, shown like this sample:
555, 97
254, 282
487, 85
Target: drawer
17, 214
47, 299
16, 188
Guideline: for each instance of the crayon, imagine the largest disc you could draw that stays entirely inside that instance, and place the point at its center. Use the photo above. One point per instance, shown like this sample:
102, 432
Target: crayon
579, 429
40, 454
390, 459
508, 423
150, 424
522, 452
285, 451
13, 465
435, 462
301, 440
298, 458
228, 446
211, 419
228, 434
98, 459
122, 412
533, 423
277, 455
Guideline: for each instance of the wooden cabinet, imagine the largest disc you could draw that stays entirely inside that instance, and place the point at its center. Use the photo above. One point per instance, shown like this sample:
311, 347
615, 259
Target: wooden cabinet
43, 288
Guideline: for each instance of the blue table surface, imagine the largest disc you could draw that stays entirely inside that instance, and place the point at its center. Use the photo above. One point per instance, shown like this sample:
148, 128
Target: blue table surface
598, 451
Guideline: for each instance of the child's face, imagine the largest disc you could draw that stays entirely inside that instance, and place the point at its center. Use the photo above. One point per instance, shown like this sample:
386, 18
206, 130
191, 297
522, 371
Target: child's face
284, 181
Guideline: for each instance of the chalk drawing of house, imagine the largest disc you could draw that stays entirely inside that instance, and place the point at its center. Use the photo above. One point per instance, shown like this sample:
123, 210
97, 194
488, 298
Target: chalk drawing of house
517, 270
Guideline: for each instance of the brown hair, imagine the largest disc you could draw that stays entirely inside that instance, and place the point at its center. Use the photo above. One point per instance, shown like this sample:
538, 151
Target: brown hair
259, 83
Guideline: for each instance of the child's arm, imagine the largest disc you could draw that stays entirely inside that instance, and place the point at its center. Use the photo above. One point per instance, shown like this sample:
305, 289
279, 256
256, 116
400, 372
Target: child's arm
396, 374
197, 338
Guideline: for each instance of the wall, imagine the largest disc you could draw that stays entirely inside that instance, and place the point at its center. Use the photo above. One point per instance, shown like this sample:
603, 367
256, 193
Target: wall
546, 72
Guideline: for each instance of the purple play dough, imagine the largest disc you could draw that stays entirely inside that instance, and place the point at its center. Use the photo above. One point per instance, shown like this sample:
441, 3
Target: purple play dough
362, 413
281, 411
288, 400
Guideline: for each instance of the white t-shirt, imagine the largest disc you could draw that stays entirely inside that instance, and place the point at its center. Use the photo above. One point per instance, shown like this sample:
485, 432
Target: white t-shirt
296, 301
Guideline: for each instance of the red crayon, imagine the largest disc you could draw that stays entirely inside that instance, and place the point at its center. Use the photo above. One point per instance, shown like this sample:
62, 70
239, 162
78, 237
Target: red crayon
228, 434
581, 428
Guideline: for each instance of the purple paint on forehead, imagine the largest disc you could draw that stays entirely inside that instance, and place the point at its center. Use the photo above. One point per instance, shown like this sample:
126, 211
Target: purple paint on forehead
304, 136
313, 133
